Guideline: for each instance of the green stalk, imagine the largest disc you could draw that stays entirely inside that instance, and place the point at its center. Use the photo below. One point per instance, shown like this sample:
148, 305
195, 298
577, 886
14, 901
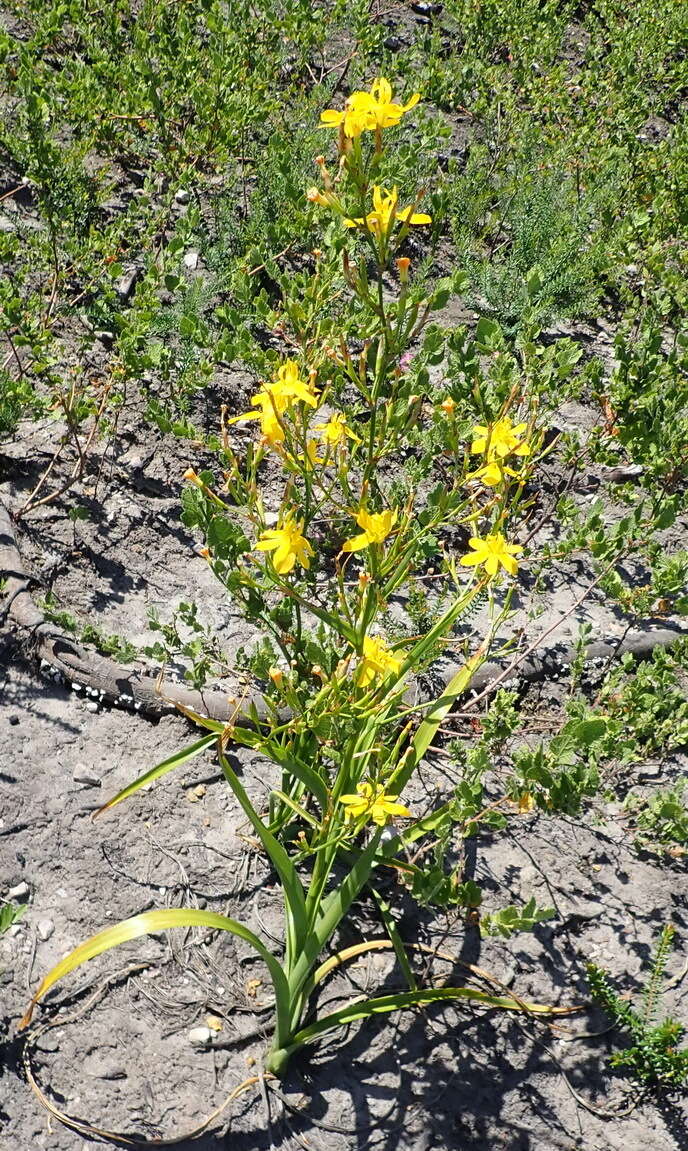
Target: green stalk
294, 898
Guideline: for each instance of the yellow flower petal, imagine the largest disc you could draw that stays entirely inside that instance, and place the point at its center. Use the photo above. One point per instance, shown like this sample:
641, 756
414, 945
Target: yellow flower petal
331, 118
408, 216
509, 563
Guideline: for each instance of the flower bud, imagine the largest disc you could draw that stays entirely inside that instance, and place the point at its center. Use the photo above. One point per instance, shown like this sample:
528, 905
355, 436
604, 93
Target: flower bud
191, 476
324, 174
448, 405
403, 264
277, 676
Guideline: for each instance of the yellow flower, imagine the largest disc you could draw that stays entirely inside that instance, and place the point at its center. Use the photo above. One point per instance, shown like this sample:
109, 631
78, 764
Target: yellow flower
493, 551
275, 398
492, 473
385, 214
376, 527
372, 803
289, 388
270, 425
368, 111
377, 660
382, 109
448, 406
354, 119
335, 430
288, 544
500, 439
310, 457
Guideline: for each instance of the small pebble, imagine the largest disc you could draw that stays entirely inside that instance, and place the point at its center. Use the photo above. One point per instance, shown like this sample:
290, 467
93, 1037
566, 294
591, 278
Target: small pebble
14, 720
92, 706
21, 891
191, 261
83, 774
182, 196
200, 1036
48, 1043
45, 928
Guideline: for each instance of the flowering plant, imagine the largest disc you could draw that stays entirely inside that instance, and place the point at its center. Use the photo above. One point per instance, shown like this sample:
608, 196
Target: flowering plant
316, 568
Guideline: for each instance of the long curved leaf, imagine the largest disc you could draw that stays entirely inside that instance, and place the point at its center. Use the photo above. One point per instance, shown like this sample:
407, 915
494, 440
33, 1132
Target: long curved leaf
327, 914
294, 897
395, 938
437, 712
405, 999
150, 922
175, 760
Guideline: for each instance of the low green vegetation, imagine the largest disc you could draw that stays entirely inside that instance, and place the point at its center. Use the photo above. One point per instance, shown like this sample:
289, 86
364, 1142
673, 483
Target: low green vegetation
653, 1057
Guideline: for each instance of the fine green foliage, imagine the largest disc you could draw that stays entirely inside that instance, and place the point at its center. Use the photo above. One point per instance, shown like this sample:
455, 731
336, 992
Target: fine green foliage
654, 1057
660, 821
113, 645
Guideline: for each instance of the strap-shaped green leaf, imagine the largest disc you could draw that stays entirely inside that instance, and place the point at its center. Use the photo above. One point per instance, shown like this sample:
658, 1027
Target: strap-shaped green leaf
395, 939
163, 768
294, 897
332, 910
405, 999
151, 922
437, 712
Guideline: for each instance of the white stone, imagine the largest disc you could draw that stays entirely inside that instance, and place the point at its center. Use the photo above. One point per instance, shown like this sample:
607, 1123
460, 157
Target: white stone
21, 891
45, 928
200, 1036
